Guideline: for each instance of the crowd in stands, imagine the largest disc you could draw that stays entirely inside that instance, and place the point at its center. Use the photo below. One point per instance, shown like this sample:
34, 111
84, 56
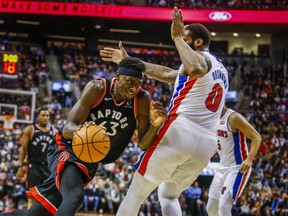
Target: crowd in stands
220, 4
266, 192
194, 4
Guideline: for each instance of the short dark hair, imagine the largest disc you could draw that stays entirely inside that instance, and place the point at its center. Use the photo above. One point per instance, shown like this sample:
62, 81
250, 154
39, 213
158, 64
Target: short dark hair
42, 109
132, 62
197, 30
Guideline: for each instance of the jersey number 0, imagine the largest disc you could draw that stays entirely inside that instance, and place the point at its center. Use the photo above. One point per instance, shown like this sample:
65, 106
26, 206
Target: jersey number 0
214, 98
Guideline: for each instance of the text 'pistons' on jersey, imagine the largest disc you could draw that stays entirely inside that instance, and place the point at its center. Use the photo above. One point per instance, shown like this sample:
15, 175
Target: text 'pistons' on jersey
232, 145
218, 74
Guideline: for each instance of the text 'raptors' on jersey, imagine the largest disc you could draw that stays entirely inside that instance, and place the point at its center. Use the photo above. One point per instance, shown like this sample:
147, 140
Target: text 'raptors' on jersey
39, 143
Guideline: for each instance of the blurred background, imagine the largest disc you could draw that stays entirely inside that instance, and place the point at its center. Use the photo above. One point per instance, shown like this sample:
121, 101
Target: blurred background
49, 50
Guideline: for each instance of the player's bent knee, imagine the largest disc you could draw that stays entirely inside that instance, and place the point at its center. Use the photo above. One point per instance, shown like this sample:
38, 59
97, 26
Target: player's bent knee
140, 187
225, 204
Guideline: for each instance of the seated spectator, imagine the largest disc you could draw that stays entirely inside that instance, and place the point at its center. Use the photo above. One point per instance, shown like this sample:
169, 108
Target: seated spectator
90, 197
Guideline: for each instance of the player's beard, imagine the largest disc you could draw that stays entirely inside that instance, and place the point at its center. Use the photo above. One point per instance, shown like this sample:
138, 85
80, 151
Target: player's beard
192, 46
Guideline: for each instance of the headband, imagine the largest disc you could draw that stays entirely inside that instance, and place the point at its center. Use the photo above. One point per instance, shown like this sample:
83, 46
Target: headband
130, 72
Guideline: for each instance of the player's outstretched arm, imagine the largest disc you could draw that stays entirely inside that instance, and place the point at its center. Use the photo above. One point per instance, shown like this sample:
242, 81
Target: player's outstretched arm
158, 72
195, 64
92, 92
238, 122
161, 73
150, 117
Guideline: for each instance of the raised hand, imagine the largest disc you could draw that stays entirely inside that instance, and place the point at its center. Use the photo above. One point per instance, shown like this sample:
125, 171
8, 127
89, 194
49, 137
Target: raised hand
157, 114
177, 27
109, 54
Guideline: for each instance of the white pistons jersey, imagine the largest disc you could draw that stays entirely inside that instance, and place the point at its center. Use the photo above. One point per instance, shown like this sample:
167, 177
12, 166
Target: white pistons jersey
232, 146
201, 99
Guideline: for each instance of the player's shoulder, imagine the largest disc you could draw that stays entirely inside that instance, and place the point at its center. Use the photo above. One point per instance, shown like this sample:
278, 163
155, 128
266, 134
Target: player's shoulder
234, 114
92, 92
94, 87
98, 84
143, 94
204, 54
28, 129
235, 118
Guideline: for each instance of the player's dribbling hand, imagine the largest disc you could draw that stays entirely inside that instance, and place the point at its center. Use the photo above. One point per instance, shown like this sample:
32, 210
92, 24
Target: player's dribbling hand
114, 55
20, 173
87, 123
157, 114
177, 27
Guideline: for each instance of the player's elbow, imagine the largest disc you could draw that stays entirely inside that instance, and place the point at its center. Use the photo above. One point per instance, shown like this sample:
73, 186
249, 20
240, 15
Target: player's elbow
66, 132
257, 140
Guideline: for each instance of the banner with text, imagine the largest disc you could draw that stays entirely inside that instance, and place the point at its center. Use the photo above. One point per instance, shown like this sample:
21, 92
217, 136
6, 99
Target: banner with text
142, 13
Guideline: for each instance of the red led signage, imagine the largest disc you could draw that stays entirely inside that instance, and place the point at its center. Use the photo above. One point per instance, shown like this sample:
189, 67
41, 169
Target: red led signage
142, 13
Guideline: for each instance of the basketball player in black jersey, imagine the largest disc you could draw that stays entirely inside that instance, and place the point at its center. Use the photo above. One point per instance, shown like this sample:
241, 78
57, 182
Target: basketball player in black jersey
119, 105
35, 141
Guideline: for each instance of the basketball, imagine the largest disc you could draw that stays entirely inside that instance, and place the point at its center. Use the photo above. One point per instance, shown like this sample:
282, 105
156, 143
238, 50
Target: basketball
90, 143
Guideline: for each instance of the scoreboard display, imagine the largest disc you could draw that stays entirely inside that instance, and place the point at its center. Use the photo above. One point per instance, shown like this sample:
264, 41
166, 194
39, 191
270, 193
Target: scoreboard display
9, 64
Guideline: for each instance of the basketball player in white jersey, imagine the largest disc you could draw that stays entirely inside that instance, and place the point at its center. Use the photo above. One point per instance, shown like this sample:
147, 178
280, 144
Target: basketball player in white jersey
187, 140
235, 161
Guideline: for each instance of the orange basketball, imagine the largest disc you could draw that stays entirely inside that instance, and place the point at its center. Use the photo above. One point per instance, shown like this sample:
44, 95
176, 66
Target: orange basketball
90, 143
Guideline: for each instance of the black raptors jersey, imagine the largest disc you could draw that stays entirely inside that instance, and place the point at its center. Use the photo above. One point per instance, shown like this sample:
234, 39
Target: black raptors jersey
119, 119
39, 143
